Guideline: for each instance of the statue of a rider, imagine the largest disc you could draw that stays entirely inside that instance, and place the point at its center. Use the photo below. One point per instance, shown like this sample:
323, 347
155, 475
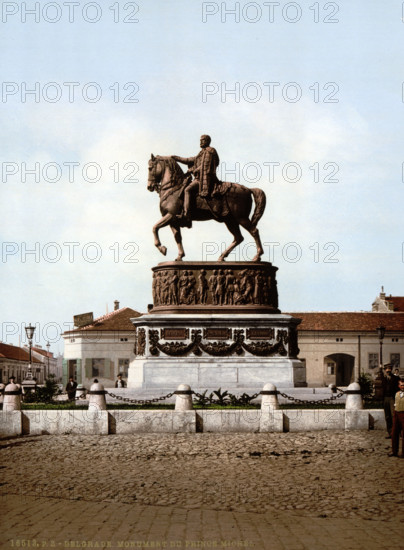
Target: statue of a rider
203, 168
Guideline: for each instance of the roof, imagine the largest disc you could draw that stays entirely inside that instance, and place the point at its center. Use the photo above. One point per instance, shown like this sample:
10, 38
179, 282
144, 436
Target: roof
350, 321
14, 352
117, 320
397, 301
43, 352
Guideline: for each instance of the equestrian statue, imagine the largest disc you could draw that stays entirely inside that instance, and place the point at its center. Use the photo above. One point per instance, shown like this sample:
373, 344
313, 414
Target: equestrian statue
198, 195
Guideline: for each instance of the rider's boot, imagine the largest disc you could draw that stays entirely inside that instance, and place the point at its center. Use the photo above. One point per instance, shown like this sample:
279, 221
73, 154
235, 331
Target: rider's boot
186, 220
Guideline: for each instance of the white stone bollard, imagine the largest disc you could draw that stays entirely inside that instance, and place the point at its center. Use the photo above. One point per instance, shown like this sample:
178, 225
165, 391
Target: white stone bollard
80, 392
96, 397
12, 398
333, 388
269, 401
354, 400
183, 400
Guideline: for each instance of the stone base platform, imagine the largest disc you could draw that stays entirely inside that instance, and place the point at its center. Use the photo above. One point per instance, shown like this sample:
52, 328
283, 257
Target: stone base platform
84, 422
216, 350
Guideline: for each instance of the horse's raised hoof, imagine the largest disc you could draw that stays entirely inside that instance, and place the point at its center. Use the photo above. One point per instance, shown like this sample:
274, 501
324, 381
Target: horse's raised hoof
163, 250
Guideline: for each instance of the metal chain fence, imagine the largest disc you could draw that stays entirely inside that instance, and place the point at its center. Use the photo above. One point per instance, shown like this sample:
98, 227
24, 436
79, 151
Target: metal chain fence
225, 400
140, 401
312, 402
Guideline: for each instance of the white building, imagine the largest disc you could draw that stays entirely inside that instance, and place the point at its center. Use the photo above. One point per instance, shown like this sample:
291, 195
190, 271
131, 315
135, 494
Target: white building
100, 349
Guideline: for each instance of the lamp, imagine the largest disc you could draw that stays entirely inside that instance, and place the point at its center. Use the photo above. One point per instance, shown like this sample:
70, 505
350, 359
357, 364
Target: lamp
380, 333
29, 383
48, 347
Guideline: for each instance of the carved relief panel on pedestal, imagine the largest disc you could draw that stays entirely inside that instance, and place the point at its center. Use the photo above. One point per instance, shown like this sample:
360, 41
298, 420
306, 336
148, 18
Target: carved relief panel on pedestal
202, 284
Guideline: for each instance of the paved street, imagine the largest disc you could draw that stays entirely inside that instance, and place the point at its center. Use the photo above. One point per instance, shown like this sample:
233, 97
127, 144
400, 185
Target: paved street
276, 491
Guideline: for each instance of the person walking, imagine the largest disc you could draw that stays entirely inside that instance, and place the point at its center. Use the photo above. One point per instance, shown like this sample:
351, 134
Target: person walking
71, 389
389, 390
398, 421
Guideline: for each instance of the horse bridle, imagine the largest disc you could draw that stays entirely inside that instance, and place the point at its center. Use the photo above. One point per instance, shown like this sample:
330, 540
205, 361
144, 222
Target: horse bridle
152, 175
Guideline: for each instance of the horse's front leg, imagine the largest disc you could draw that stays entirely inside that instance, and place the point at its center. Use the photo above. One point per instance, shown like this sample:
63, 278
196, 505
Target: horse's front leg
165, 220
178, 239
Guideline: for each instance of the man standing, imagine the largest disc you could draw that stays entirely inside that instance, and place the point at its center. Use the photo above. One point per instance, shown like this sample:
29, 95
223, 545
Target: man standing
398, 421
389, 390
71, 389
203, 167
120, 383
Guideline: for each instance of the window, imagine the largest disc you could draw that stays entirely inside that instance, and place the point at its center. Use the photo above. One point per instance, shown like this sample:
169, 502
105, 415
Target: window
72, 340
339, 339
97, 367
124, 339
123, 367
330, 368
395, 360
394, 339
373, 360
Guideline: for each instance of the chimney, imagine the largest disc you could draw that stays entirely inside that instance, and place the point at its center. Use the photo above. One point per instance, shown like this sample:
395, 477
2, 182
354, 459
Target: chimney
116, 305
382, 294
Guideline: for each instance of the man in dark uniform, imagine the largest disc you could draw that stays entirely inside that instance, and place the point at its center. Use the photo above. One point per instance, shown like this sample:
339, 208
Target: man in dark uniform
120, 383
389, 389
203, 167
71, 389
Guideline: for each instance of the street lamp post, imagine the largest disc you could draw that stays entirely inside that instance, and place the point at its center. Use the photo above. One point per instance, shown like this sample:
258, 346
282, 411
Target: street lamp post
48, 347
381, 332
29, 383
378, 382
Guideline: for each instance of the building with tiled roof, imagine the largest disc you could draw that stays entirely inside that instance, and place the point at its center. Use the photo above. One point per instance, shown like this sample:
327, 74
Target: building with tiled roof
118, 319
385, 303
14, 361
100, 348
337, 346
349, 321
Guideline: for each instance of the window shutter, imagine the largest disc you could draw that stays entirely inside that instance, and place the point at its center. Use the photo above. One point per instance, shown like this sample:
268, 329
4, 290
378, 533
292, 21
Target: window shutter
78, 371
65, 373
109, 369
89, 368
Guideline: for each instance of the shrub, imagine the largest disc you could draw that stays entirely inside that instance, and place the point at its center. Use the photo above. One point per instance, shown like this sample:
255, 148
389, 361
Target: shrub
366, 383
45, 393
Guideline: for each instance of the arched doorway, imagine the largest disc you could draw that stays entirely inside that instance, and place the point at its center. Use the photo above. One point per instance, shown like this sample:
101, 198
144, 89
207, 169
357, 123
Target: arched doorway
339, 369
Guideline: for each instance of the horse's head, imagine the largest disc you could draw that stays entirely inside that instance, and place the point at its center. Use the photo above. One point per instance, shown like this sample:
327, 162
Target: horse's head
156, 171
164, 172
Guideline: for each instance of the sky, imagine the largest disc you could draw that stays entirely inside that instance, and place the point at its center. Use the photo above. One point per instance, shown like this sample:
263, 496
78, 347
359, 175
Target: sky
302, 99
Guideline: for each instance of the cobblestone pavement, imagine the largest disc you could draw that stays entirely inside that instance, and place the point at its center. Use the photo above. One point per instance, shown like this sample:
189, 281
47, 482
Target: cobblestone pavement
309, 490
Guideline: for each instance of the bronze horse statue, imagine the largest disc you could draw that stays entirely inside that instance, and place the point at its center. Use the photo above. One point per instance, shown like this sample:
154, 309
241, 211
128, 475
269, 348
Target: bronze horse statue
167, 178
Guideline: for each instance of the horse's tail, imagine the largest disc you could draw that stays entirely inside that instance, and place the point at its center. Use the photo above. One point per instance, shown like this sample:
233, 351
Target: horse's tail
260, 203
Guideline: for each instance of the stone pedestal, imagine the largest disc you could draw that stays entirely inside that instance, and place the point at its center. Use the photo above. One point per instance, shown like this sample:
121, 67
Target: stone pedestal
215, 324
217, 350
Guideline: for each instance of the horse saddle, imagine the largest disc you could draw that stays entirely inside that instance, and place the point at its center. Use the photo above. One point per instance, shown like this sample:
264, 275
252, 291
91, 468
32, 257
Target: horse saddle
217, 202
